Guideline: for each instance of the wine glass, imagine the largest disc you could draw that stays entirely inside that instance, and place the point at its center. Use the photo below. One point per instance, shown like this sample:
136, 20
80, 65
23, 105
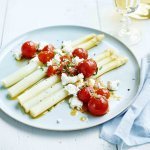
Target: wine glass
127, 34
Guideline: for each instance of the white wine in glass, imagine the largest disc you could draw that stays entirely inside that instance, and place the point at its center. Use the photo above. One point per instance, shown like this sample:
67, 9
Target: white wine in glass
127, 34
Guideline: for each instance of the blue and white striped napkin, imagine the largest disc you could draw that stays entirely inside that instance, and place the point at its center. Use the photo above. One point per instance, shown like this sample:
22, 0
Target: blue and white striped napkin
133, 127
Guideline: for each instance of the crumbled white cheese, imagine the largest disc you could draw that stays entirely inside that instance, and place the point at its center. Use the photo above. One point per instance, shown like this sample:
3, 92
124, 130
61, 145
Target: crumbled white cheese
80, 83
68, 79
74, 102
49, 63
100, 84
17, 55
56, 59
91, 82
72, 89
76, 60
41, 45
113, 85
80, 76
59, 51
59, 120
67, 47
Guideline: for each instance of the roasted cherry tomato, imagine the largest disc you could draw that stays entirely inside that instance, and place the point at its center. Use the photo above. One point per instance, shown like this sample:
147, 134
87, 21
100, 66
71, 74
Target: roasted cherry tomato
88, 67
49, 47
45, 56
50, 71
103, 92
28, 49
98, 106
81, 53
84, 94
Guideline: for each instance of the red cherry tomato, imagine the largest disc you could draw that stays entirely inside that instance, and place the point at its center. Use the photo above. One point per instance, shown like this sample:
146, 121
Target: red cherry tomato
84, 94
45, 56
103, 92
81, 53
28, 49
49, 47
98, 106
88, 67
50, 71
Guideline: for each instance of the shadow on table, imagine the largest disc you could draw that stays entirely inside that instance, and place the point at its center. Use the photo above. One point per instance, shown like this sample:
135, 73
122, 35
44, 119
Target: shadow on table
41, 132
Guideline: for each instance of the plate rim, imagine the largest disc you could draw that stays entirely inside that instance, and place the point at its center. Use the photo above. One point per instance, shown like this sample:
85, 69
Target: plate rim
2, 53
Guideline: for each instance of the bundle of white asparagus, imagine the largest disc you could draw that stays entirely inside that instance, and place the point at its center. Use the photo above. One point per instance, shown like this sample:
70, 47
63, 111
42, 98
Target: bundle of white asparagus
48, 92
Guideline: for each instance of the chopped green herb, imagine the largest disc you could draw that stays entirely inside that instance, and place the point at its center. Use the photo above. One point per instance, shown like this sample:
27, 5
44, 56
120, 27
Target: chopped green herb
42, 68
96, 72
100, 67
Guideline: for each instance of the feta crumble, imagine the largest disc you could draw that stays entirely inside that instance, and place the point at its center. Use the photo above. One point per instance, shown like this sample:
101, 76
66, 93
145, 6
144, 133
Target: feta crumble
80, 83
17, 55
76, 60
41, 45
91, 82
72, 89
113, 85
68, 79
56, 59
74, 102
59, 51
49, 63
67, 47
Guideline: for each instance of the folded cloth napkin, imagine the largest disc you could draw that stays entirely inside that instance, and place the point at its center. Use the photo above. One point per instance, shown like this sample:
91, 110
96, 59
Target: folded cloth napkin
133, 126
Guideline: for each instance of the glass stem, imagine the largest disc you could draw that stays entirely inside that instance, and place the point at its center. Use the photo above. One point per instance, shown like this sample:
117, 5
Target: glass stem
125, 23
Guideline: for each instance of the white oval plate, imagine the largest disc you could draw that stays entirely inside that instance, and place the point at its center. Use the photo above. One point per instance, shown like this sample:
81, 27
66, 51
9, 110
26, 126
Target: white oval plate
127, 74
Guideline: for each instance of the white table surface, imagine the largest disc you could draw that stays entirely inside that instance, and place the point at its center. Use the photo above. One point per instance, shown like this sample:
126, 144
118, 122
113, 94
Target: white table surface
19, 16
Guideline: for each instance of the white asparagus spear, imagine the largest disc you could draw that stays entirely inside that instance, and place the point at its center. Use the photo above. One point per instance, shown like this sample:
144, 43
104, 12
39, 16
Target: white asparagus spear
106, 53
36, 89
19, 75
40, 97
92, 43
27, 82
83, 40
50, 101
28, 103
106, 60
111, 66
